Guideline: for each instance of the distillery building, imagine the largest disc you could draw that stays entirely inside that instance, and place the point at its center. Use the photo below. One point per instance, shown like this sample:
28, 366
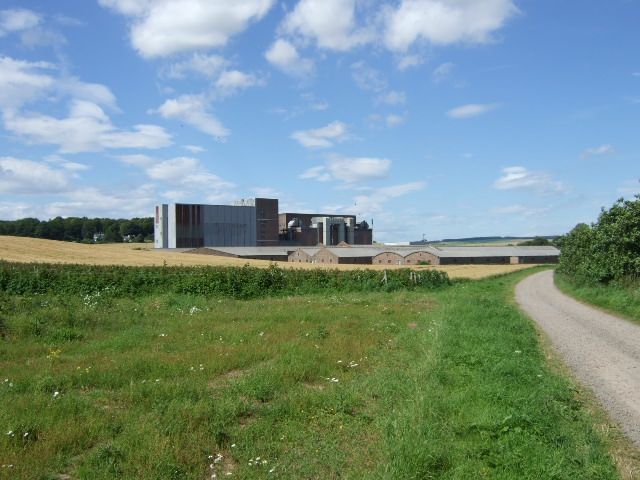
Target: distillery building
252, 223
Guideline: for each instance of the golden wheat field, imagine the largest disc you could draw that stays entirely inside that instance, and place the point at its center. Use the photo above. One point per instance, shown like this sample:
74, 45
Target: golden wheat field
22, 249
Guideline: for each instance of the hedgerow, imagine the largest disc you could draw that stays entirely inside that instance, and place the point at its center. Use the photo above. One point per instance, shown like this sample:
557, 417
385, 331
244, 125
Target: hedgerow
236, 282
606, 251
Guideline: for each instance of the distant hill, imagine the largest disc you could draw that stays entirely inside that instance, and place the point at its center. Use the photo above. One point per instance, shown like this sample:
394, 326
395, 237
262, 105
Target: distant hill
480, 240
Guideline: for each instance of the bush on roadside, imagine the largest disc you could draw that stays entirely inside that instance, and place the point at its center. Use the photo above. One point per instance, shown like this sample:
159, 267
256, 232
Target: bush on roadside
608, 250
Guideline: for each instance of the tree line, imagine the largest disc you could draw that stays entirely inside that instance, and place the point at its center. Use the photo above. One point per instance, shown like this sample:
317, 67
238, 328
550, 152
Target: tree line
605, 251
81, 229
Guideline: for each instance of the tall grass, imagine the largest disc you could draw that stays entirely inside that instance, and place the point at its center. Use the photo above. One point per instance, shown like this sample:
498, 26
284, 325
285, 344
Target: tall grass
619, 297
445, 383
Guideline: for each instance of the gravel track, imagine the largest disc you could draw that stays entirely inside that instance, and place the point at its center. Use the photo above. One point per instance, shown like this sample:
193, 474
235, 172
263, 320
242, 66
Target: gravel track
602, 350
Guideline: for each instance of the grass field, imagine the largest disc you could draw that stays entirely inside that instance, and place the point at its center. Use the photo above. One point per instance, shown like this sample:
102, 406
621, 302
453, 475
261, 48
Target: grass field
21, 249
617, 299
405, 385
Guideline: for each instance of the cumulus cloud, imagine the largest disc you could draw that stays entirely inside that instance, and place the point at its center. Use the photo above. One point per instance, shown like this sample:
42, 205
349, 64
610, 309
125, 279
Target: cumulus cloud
284, 55
194, 110
161, 28
16, 20
231, 81
93, 202
349, 169
199, 63
598, 151
86, 129
330, 24
19, 176
471, 110
521, 178
184, 175
322, 137
22, 81
443, 22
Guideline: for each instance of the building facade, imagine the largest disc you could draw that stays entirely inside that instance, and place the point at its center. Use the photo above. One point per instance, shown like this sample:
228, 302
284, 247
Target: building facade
252, 223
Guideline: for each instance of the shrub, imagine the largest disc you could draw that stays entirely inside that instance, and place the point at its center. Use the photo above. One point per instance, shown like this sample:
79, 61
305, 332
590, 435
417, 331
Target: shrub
606, 251
103, 282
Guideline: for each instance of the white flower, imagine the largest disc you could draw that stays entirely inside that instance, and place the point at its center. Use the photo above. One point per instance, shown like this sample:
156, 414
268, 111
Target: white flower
56, 393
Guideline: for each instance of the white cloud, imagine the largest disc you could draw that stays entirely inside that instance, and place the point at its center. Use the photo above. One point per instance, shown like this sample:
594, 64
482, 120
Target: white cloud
318, 173
368, 78
188, 173
126, 202
193, 110
194, 148
522, 178
392, 97
598, 151
394, 120
471, 110
442, 72
349, 169
16, 20
28, 177
22, 81
230, 81
322, 137
409, 61
357, 169
284, 55
374, 201
137, 160
86, 129
331, 24
199, 63
160, 28
444, 22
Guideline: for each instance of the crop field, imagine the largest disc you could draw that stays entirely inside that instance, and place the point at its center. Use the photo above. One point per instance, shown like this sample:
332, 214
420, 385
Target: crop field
22, 249
448, 382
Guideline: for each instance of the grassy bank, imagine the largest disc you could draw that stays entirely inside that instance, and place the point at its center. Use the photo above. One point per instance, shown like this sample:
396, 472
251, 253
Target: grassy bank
622, 299
446, 383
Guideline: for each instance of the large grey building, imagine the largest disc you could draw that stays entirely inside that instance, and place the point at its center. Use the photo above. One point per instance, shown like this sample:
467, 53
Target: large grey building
251, 223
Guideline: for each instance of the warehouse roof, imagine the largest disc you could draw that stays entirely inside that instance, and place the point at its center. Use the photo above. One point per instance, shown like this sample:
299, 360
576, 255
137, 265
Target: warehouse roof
466, 252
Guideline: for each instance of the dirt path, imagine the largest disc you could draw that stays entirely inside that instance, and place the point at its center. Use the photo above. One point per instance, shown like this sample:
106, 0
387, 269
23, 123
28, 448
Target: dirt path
602, 350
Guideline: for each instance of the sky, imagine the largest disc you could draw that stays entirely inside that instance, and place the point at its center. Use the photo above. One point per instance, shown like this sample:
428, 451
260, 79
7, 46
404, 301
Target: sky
432, 118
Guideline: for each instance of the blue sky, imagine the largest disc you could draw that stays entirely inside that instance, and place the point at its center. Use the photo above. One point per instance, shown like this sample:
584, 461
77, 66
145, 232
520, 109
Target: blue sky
446, 118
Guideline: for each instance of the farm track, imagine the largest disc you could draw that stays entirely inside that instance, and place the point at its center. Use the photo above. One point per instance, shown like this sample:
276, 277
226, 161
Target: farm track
602, 350
22, 249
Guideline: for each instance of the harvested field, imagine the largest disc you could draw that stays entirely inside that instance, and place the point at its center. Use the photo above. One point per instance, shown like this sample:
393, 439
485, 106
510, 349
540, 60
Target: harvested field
23, 249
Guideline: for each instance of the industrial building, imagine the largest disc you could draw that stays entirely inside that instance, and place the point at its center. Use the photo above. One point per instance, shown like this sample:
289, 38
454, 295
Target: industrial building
253, 223
426, 255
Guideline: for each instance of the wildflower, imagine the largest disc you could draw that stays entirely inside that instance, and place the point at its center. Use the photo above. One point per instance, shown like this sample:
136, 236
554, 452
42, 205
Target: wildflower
233, 445
261, 334
56, 393
26, 434
518, 351
272, 470
162, 335
218, 458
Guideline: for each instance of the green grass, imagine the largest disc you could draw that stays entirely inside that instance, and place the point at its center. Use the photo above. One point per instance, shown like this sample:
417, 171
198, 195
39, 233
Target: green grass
448, 384
618, 299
